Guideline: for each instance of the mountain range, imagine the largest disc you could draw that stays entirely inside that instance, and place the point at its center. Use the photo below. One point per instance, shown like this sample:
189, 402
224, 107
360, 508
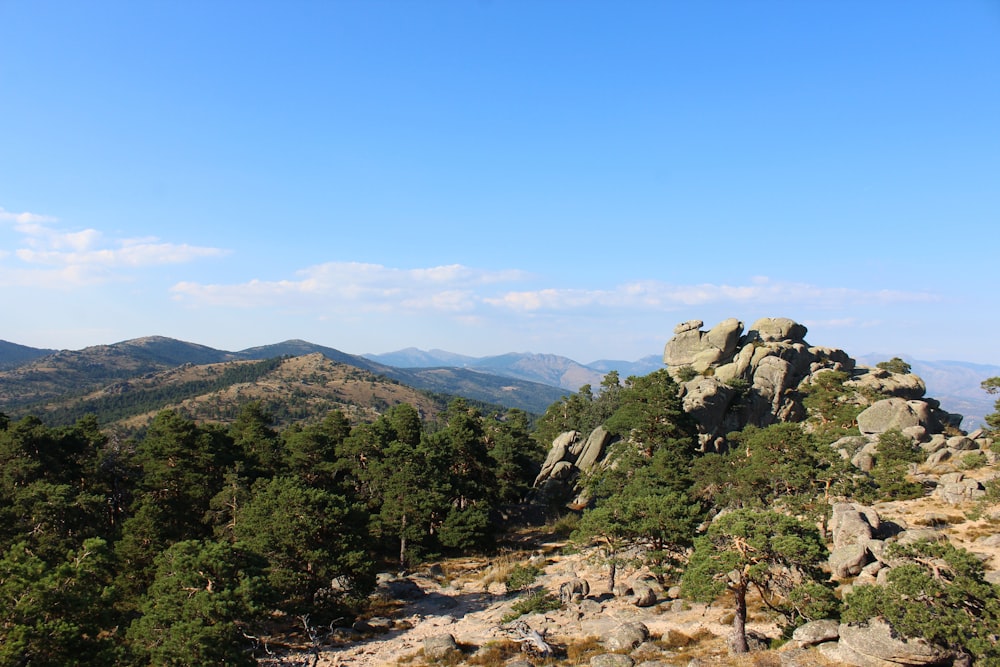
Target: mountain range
43, 380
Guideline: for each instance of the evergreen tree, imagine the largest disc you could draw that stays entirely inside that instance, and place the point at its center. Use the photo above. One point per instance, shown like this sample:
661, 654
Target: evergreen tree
58, 612
992, 386
771, 553
308, 536
201, 607
516, 456
938, 592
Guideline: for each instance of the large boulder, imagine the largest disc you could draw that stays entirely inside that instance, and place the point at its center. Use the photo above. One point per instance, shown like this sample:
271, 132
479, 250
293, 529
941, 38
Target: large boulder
890, 413
898, 385
557, 452
816, 632
877, 643
851, 523
702, 349
439, 647
707, 400
593, 450
778, 329
626, 636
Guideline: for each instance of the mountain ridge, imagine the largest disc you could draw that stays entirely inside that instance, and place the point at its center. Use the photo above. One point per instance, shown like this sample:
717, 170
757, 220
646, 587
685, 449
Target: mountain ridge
52, 383
955, 383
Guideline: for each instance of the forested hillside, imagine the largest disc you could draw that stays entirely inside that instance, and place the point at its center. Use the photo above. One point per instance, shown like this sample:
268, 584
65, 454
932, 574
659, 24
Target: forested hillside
182, 545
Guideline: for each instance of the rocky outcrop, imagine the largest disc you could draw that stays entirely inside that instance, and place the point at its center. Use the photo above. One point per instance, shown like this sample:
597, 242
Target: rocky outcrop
758, 377
877, 644
731, 377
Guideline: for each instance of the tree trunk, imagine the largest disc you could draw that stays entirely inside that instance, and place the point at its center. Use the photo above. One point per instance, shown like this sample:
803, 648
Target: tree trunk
612, 576
402, 544
738, 642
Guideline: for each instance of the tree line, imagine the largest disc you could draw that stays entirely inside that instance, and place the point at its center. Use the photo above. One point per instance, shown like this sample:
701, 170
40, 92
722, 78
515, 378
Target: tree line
189, 543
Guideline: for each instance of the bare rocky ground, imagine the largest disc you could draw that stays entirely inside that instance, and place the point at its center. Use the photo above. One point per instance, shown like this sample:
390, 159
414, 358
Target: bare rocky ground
465, 598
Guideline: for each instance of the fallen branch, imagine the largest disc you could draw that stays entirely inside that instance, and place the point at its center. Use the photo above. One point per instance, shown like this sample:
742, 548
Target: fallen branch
532, 641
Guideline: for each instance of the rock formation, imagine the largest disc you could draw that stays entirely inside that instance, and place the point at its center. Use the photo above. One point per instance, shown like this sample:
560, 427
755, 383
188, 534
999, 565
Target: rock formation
731, 377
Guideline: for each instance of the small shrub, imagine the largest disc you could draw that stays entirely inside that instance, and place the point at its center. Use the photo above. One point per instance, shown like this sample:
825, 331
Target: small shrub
538, 602
895, 365
565, 524
686, 373
973, 460
522, 576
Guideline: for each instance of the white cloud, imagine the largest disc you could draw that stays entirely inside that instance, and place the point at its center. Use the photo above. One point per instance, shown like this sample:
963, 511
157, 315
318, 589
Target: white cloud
51, 257
466, 294
24, 218
655, 295
355, 286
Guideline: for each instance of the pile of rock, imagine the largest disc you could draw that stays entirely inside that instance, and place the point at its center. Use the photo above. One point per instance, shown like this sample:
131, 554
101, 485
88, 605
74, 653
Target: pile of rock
756, 377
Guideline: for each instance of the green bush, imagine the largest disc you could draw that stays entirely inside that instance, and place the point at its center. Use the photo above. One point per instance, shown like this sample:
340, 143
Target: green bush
522, 576
538, 602
686, 373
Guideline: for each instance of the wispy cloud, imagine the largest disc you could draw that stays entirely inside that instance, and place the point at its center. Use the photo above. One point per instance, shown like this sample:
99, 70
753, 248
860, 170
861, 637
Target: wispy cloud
24, 218
356, 285
656, 295
352, 287
50, 256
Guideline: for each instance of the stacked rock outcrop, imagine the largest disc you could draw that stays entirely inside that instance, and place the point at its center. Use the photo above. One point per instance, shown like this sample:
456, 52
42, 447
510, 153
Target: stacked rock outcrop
757, 376
731, 377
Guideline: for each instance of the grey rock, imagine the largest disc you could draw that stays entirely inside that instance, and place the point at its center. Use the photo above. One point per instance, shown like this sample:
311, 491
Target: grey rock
936, 442
891, 413
877, 640
439, 646
848, 560
645, 591
778, 329
400, 589
906, 386
593, 450
961, 443
626, 637
852, 523
692, 347
611, 660
940, 456
574, 590
816, 632
557, 452
589, 607
912, 535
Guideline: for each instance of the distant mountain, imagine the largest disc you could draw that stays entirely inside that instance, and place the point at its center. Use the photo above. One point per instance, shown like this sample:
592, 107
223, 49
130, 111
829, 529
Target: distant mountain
57, 381
644, 366
13, 355
75, 371
412, 357
955, 383
476, 384
548, 369
298, 348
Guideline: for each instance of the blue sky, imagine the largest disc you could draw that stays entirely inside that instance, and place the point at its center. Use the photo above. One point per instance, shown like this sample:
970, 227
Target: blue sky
567, 177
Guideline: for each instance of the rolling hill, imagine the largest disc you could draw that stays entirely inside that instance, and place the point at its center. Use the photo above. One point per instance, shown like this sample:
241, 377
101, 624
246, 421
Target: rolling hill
129, 379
